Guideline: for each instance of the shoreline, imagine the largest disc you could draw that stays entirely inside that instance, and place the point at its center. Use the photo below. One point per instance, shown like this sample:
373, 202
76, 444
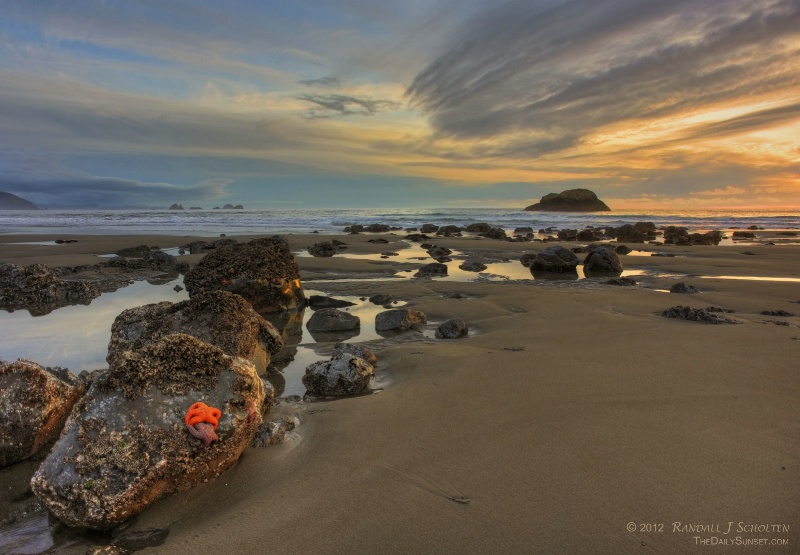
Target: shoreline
573, 412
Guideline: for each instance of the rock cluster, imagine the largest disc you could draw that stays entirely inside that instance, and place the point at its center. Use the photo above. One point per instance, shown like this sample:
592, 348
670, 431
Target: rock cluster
40, 290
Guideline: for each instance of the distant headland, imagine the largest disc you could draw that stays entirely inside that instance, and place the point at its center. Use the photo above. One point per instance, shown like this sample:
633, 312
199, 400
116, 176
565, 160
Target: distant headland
571, 200
13, 202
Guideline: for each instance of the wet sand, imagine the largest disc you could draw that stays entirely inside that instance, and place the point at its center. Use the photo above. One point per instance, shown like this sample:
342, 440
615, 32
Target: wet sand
573, 414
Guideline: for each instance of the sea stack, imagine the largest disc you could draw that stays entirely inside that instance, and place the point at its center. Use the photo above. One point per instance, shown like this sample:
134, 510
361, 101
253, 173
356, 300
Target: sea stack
571, 200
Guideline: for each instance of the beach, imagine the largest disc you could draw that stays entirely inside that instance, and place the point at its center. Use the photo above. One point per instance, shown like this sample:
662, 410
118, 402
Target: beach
574, 418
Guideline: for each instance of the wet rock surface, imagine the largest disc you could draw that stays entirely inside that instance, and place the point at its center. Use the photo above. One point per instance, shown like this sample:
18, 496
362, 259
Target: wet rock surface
216, 317
473, 266
602, 260
343, 374
355, 350
554, 259
324, 249
125, 445
452, 329
331, 319
40, 290
34, 404
263, 271
710, 315
399, 319
435, 269
684, 288
621, 282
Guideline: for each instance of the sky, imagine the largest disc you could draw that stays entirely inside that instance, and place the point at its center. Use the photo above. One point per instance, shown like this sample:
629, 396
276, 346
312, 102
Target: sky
414, 103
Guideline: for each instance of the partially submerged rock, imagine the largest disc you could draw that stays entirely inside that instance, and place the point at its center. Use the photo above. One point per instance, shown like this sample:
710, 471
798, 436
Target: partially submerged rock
710, 315
602, 259
554, 259
472, 266
263, 271
355, 350
125, 444
39, 290
331, 319
343, 374
34, 404
435, 269
216, 317
399, 319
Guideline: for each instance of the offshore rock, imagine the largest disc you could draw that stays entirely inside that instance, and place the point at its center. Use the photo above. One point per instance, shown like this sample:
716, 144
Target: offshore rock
344, 374
219, 318
572, 200
554, 259
39, 290
263, 271
399, 319
125, 445
34, 404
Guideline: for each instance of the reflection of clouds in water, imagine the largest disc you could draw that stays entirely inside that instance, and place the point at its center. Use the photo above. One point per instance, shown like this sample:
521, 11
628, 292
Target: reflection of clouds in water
77, 336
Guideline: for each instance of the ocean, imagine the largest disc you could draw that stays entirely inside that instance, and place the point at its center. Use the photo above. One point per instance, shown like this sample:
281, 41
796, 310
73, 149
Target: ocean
242, 222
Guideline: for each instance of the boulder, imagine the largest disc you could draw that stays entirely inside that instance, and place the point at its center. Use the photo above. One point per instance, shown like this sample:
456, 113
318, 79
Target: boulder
586, 235
554, 259
480, 227
355, 350
452, 329
324, 249
567, 234
428, 228
377, 228
571, 200
683, 288
34, 404
125, 444
710, 315
744, 235
399, 319
435, 269
39, 290
342, 375
331, 319
602, 260
622, 249
263, 271
449, 230
219, 318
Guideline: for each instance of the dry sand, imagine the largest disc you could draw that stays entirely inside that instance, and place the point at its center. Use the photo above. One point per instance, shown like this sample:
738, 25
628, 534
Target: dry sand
573, 414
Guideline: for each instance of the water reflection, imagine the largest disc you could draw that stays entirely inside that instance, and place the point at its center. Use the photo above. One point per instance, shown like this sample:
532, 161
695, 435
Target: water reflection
77, 336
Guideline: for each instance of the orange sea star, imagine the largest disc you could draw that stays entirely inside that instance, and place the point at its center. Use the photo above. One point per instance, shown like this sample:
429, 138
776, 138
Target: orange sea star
201, 421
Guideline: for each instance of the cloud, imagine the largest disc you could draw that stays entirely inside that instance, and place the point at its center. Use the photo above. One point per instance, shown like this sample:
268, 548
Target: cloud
568, 69
329, 81
344, 105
